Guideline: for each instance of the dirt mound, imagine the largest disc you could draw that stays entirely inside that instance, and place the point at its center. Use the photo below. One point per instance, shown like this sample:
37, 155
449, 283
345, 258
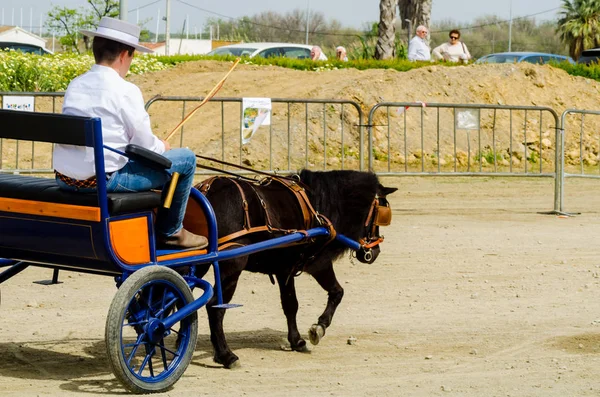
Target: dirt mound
509, 84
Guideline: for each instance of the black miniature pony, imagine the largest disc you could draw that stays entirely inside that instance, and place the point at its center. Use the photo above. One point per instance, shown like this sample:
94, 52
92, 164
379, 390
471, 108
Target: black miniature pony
349, 199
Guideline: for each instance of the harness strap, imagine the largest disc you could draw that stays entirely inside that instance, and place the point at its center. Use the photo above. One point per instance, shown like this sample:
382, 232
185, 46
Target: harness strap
308, 212
241, 233
374, 205
205, 184
247, 225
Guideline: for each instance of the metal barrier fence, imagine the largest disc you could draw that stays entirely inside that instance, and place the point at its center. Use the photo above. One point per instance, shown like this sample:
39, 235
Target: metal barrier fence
404, 138
462, 139
465, 139
303, 133
28, 157
581, 158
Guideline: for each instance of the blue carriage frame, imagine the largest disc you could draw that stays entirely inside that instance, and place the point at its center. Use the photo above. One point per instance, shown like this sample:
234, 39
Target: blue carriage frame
30, 232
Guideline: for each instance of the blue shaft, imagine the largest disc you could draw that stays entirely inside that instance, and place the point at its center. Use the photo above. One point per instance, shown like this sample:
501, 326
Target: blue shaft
191, 307
249, 249
348, 242
7, 262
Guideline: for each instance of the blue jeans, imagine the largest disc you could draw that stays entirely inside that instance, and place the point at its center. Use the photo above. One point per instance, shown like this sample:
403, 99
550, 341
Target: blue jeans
135, 177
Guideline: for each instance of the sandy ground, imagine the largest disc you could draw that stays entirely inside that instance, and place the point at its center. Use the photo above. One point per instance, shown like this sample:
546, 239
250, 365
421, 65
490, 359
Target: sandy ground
475, 294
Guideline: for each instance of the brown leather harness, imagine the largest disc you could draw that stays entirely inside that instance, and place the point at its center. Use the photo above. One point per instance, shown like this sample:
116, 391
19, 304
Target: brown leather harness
309, 215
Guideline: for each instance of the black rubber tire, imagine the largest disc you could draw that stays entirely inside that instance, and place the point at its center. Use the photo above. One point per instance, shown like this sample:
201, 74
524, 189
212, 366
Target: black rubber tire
131, 293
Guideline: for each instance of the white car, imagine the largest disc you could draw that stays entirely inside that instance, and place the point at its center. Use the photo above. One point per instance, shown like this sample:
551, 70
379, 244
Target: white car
266, 50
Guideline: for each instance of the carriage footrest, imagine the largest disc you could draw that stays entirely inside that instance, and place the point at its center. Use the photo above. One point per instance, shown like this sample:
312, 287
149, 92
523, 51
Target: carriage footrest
227, 306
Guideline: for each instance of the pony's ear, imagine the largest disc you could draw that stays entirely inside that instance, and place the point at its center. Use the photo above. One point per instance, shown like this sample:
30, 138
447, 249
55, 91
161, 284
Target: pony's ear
386, 190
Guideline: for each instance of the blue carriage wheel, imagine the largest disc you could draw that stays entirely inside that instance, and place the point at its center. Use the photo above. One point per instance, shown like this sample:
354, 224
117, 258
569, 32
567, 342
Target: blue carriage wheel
144, 356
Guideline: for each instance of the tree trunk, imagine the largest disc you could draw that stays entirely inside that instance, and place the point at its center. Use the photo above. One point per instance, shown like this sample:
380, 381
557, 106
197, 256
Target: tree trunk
386, 48
417, 11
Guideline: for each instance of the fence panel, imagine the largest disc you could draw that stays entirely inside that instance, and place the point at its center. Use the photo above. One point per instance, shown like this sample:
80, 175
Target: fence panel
580, 157
28, 157
304, 133
462, 139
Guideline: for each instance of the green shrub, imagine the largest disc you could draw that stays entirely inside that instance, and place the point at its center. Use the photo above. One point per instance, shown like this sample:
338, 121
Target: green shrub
50, 73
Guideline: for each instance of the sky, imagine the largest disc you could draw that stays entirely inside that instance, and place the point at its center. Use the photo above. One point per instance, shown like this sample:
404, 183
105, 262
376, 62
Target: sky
351, 13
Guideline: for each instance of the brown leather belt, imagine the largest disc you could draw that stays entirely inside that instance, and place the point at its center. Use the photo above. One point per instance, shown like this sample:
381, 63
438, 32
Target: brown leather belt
81, 183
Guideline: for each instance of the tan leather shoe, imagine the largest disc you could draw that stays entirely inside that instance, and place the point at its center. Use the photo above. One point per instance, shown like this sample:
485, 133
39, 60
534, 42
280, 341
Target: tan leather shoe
182, 240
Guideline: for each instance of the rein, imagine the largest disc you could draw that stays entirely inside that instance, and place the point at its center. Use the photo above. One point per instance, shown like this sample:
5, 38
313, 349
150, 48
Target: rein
295, 179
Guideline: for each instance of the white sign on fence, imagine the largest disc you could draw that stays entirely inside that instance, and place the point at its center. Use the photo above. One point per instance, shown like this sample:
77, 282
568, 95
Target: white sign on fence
256, 112
14, 102
466, 119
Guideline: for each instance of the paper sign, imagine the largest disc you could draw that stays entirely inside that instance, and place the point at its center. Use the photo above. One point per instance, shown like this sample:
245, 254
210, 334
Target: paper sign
256, 112
466, 119
24, 103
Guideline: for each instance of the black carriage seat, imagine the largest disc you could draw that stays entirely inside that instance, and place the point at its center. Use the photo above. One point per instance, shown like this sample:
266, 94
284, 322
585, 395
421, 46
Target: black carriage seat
46, 190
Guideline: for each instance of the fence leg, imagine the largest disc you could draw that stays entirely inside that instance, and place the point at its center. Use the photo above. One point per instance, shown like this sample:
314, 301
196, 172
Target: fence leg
559, 175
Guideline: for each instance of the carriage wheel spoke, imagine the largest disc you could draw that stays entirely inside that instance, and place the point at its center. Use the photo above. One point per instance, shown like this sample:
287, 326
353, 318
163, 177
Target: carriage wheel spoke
147, 359
163, 355
149, 301
134, 350
165, 308
141, 322
163, 349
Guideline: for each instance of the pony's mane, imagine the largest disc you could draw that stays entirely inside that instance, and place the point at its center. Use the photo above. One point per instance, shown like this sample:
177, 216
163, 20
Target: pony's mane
344, 197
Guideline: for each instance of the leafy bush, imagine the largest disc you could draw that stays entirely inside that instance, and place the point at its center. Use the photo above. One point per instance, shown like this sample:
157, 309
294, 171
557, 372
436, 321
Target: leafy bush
50, 73
590, 71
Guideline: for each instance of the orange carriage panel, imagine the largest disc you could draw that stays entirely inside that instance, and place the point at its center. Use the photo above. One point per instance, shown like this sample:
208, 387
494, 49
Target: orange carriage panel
42, 208
194, 220
129, 239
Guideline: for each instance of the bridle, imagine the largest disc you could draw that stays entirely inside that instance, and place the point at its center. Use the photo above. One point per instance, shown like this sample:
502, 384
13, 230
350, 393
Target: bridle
380, 214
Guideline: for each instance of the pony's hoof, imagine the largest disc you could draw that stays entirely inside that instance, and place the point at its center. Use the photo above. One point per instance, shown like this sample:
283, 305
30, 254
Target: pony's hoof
230, 361
234, 365
300, 346
315, 333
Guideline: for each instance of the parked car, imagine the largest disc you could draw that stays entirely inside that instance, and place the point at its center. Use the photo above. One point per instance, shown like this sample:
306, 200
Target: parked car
265, 50
531, 57
589, 56
27, 48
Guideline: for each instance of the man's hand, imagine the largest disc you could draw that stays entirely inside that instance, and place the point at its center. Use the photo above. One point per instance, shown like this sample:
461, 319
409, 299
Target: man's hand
167, 145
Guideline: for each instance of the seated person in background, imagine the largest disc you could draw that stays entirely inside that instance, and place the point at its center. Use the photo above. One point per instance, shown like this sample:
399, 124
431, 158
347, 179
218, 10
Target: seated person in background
103, 92
340, 53
316, 54
452, 51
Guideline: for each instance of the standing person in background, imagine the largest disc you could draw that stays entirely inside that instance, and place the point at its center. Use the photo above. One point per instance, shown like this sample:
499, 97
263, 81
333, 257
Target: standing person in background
452, 51
418, 49
340, 53
316, 54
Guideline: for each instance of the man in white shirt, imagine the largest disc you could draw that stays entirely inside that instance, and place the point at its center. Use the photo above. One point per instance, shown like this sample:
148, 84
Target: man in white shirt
103, 92
418, 50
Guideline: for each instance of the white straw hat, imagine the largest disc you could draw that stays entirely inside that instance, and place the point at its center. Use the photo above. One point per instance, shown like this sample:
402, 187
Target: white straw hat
119, 31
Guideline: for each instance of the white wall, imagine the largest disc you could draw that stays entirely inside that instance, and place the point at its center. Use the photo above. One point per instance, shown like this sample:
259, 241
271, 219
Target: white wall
18, 35
188, 46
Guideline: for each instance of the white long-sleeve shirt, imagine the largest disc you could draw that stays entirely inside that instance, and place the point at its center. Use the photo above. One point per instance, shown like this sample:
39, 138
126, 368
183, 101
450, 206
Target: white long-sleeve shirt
101, 92
418, 50
452, 52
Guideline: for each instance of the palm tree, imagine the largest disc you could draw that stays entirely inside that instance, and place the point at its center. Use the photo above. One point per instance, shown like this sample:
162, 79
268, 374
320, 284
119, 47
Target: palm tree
579, 25
418, 12
385, 48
